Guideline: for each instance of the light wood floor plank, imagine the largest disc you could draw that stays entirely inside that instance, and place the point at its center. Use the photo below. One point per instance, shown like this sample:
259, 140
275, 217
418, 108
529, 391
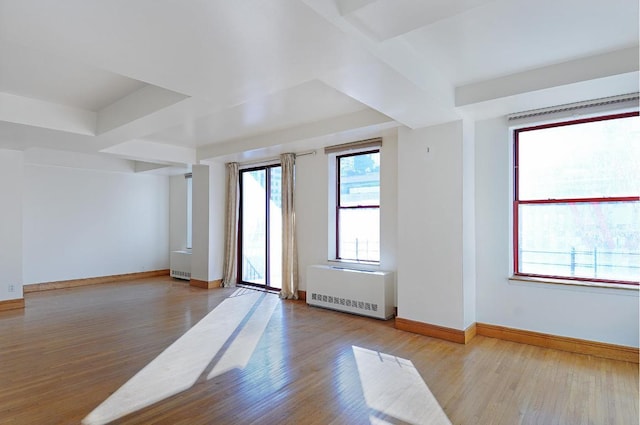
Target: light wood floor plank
69, 350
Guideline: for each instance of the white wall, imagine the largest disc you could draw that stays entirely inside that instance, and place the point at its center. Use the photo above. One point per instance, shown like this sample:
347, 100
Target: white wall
11, 183
311, 203
312, 207
81, 223
430, 225
597, 314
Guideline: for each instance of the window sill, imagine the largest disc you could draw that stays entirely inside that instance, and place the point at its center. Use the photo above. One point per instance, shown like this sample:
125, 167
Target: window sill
355, 263
570, 282
183, 251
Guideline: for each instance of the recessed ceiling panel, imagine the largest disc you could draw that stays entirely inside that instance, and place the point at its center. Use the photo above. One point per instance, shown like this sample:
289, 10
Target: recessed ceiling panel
43, 76
384, 19
508, 36
308, 102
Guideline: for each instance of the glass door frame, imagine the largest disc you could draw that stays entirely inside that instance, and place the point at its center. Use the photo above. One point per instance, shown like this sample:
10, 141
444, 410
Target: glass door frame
266, 285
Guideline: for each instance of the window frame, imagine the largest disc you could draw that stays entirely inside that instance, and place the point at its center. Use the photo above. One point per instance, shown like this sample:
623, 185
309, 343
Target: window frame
338, 207
189, 214
516, 202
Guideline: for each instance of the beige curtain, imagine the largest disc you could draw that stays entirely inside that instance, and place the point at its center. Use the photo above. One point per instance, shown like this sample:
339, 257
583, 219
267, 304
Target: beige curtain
289, 246
231, 226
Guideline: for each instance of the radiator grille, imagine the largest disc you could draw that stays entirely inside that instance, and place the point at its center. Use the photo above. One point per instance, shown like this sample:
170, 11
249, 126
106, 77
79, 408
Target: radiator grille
347, 302
180, 274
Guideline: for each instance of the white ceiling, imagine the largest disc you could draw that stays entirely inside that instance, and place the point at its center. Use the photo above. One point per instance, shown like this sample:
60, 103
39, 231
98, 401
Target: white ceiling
40, 75
178, 82
265, 113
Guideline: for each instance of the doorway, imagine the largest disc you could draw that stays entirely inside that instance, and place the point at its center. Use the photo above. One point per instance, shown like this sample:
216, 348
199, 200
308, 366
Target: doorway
260, 238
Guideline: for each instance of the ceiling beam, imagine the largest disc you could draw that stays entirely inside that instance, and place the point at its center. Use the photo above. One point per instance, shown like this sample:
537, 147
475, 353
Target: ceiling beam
38, 113
353, 122
138, 104
580, 70
144, 150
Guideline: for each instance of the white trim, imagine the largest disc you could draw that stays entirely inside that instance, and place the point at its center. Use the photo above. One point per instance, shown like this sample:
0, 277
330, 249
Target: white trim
595, 107
577, 283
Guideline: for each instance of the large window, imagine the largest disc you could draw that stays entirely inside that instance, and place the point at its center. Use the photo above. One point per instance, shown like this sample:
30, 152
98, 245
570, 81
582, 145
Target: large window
576, 204
358, 206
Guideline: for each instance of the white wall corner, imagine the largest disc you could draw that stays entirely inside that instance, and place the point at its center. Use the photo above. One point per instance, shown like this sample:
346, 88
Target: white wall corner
468, 222
208, 221
11, 239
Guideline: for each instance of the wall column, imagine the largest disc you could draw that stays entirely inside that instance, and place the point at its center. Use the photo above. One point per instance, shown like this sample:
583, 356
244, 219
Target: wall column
208, 225
11, 188
468, 226
436, 231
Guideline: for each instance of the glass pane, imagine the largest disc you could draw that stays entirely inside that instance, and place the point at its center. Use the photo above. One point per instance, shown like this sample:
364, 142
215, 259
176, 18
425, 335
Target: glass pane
189, 182
359, 234
275, 228
592, 160
254, 226
360, 180
589, 240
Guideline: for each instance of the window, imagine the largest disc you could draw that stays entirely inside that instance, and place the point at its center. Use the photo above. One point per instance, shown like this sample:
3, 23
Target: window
576, 204
358, 206
189, 181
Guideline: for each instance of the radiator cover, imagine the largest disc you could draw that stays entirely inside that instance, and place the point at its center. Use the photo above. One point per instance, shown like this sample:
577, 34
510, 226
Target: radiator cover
180, 264
360, 292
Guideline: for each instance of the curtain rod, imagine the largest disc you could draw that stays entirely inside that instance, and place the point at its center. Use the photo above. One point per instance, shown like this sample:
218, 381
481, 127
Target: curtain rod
360, 144
268, 160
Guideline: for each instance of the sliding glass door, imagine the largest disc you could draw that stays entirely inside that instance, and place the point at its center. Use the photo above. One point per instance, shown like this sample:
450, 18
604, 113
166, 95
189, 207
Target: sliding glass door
261, 227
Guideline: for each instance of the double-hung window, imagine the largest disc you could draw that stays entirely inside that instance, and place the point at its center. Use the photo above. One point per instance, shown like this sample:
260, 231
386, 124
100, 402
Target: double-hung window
576, 200
358, 206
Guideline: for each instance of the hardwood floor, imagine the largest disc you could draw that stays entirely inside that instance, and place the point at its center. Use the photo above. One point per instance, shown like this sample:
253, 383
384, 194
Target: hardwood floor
159, 351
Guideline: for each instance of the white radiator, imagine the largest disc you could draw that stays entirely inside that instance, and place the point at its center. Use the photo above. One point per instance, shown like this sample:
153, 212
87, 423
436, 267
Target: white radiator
353, 291
180, 264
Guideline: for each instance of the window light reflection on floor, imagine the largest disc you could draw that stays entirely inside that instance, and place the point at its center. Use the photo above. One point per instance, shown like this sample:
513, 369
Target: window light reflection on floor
394, 390
238, 322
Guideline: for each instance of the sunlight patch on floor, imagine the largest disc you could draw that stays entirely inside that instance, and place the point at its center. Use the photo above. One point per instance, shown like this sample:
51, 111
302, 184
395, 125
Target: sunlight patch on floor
181, 364
394, 390
239, 352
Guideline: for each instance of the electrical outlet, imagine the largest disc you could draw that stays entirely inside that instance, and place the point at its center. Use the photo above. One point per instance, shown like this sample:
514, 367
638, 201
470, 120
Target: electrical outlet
12, 288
